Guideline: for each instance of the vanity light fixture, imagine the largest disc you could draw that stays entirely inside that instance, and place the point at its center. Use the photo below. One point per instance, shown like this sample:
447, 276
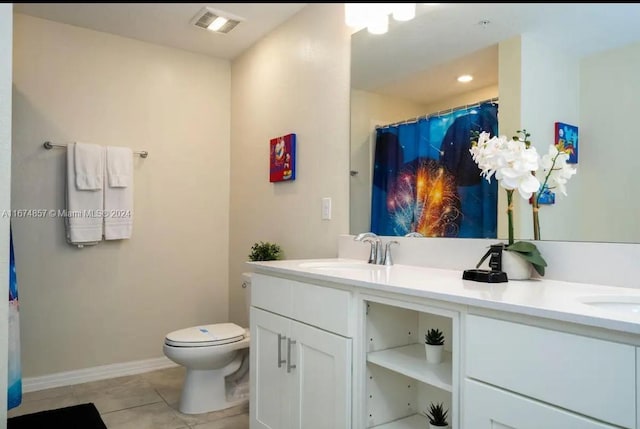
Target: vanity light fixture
465, 78
404, 11
215, 20
375, 16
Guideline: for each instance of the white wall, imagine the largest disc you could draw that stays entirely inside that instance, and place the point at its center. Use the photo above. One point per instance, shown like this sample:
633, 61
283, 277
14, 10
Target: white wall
509, 84
539, 86
116, 301
469, 97
550, 93
609, 94
6, 35
295, 80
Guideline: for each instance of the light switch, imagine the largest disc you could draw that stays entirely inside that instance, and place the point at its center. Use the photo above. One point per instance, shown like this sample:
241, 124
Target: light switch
326, 208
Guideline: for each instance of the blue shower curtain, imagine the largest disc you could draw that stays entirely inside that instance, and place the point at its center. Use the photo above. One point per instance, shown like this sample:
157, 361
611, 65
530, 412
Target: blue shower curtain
426, 181
14, 381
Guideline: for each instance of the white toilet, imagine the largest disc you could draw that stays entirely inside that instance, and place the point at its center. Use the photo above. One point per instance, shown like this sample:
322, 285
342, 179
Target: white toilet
209, 353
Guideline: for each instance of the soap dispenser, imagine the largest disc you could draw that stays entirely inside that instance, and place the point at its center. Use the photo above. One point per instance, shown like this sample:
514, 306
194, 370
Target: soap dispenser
495, 274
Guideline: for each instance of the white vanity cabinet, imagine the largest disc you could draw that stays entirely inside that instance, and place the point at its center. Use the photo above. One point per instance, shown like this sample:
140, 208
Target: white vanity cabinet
514, 371
336, 352
301, 373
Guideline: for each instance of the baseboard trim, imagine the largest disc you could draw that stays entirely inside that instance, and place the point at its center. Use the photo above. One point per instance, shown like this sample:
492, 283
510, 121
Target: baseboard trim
32, 384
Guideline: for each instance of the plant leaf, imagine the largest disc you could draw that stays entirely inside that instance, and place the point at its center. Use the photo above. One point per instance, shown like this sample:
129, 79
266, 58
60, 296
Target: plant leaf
522, 246
539, 269
529, 252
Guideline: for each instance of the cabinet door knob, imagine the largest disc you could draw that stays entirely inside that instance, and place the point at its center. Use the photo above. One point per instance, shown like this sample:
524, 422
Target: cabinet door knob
290, 342
281, 338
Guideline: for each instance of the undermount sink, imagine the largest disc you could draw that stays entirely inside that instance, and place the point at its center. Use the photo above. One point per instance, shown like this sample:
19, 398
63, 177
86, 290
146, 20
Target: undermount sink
617, 303
340, 265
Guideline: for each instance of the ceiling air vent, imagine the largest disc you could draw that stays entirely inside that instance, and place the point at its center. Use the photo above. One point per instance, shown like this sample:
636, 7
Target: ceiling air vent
215, 20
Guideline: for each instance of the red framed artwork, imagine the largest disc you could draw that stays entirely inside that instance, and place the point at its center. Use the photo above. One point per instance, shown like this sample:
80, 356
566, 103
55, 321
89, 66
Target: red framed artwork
282, 158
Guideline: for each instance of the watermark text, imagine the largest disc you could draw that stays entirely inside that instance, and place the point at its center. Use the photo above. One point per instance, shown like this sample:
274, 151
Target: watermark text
64, 213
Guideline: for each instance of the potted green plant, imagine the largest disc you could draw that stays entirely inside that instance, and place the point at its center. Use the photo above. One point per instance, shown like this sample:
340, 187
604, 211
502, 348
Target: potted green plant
437, 416
434, 344
265, 251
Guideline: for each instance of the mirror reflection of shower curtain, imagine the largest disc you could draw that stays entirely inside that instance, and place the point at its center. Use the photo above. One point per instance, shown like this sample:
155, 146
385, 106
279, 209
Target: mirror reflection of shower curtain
14, 380
425, 180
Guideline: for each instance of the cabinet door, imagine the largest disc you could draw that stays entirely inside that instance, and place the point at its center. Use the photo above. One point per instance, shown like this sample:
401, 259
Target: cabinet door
487, 407
269, 404
321, 378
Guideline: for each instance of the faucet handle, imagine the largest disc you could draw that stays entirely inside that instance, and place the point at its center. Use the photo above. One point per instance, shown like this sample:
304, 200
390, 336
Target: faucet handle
387, 253
373, 253
364, 235
414, 234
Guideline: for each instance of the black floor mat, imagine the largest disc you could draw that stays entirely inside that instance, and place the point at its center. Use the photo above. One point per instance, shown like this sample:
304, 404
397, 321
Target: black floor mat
83, 416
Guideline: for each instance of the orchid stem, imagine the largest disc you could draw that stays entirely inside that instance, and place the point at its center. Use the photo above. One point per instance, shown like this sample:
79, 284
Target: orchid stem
536, 219
510, 214
536, 200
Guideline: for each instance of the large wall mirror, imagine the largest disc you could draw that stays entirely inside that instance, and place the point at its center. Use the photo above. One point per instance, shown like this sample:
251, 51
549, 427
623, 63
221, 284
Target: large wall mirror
545, 63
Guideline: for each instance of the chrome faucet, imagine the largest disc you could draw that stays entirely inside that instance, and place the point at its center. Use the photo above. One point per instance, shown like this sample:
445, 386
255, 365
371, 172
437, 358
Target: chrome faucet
414, 234
387, 253
375, 255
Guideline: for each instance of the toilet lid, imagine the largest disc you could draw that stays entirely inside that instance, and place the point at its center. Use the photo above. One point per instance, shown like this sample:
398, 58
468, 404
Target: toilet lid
206, 335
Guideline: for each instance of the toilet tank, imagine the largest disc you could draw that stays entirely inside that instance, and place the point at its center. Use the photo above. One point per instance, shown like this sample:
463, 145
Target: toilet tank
246, 287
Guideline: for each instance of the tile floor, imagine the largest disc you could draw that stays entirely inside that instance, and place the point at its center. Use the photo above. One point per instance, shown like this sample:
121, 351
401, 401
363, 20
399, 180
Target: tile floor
144, 401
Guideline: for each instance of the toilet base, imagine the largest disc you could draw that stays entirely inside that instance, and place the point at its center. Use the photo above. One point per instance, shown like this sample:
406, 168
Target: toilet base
204, 391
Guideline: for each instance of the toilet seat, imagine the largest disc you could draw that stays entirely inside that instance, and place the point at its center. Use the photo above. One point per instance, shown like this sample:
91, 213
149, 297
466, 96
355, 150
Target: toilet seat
206, 335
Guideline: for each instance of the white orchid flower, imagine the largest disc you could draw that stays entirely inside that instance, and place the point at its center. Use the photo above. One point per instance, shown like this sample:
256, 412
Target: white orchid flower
526, 184
547, 160
488, 154
483, 138
510, 160
514, 164
557, 170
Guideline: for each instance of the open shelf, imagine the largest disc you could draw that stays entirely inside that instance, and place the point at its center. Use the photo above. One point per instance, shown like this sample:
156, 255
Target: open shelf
415, 421
411, 361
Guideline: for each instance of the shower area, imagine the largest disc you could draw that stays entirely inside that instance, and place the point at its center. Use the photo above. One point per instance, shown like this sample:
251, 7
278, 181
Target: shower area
417, 174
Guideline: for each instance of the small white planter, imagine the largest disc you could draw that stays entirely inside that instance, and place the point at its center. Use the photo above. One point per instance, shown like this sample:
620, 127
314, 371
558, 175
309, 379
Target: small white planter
434, 353
437, 427
516, 267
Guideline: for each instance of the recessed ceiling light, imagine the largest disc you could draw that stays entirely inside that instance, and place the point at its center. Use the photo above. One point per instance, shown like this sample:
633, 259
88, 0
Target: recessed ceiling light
465, 78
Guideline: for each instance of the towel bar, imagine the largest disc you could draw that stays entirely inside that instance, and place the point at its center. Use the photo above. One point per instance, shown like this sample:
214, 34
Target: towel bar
48, 145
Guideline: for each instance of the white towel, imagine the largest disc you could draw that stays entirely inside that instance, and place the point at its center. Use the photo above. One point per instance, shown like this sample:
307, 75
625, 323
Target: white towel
118, 194
119, 166
89, 164
83, 221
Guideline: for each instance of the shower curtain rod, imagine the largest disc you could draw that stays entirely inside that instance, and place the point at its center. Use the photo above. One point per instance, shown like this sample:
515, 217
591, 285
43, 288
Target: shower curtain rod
440, 113
48, 145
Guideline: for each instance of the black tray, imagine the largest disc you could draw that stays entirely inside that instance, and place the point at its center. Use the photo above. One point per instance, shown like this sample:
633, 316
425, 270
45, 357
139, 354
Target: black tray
485, 276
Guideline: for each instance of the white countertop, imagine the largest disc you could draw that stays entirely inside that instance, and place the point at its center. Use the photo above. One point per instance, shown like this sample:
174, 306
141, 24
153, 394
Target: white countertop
556, 300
